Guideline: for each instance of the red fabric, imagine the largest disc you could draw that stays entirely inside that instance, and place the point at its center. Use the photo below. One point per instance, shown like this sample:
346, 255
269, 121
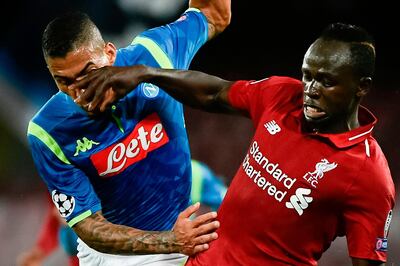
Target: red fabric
73, 261
295, 192
48, 235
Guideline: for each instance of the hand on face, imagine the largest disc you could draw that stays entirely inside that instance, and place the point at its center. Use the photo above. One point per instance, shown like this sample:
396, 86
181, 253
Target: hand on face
101, 87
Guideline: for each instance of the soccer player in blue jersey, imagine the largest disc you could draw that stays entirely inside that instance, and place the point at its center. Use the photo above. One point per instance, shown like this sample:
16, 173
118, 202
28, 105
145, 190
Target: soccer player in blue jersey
121, 179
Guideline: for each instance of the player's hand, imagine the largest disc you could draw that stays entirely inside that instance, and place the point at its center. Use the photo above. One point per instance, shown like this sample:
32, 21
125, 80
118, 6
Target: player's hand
98, 89
193, 235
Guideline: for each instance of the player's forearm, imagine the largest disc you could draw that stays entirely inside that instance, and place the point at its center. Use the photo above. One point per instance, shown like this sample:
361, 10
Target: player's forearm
218, 13
193, 88
106, 237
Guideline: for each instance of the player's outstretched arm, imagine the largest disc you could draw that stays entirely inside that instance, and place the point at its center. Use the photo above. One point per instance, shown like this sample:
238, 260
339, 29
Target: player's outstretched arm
187, 237
218, 13
101, 87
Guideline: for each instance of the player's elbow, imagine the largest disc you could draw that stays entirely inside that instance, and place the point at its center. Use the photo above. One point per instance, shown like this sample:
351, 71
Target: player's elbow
221, 22
224, 19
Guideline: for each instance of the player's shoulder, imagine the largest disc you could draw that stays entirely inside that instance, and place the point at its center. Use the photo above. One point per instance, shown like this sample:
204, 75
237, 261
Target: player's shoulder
375, 159
374, 168
54, 113
192, 21
279, 81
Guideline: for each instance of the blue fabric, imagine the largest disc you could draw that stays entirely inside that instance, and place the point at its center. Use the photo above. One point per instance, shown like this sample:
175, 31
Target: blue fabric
68, 240
213, 189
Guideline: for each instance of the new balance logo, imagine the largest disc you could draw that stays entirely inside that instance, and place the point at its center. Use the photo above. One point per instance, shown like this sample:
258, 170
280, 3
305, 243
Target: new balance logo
84, 145
300, 201
272, 127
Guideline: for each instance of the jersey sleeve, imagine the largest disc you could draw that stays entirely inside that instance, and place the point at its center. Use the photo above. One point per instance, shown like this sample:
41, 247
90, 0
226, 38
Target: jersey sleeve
70, 189
255, 97
368, 212
171, 46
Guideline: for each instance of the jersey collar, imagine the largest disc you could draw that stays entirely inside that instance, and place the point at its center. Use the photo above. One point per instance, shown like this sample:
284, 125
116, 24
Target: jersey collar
357, 135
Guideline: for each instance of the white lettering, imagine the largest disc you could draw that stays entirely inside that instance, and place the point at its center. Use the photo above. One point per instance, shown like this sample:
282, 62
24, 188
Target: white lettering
130, 151
119, 153
289, 182
114, 158
155, 135
143, 139
271, 168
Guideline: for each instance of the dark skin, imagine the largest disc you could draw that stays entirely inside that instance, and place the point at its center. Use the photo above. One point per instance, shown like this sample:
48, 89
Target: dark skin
332, 91
187, 236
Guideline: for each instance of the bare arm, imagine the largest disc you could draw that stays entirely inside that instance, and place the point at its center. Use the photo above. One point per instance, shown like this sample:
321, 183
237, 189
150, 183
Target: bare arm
187, 237
364, 262
218, 13
103, 86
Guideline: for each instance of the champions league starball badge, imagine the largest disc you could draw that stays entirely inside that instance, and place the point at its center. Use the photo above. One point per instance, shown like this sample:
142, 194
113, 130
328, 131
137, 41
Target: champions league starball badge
64, 203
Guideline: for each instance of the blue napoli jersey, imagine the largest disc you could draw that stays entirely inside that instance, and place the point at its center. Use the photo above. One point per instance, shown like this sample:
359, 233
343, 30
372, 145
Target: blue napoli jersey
133, 162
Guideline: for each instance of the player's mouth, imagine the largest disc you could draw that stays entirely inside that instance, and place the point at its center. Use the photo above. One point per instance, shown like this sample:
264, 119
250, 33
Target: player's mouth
313, 112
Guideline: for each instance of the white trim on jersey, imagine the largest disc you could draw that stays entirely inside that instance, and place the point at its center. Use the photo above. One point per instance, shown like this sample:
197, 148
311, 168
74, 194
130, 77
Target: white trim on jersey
367, 148
360, 135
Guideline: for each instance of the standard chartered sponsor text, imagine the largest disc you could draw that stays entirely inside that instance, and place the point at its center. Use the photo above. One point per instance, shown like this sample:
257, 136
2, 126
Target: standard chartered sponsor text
271, 168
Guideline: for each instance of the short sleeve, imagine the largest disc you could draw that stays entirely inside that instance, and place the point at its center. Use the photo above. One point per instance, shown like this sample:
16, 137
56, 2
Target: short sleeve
171, 46
256, 97
69, 187
368, 213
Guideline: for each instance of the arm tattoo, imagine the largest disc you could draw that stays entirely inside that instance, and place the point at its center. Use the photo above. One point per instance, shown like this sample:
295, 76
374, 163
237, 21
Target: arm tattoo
106, 237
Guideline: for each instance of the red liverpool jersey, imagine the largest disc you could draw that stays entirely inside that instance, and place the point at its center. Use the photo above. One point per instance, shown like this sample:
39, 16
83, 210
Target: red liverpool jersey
296, 191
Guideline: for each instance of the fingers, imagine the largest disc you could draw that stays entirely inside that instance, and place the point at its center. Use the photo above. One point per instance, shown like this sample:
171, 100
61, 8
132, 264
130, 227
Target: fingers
202, 242
201, 219
99, 88
93, 86
207, 227
204, 239
189, 210
109, 97
93, 91
200, 248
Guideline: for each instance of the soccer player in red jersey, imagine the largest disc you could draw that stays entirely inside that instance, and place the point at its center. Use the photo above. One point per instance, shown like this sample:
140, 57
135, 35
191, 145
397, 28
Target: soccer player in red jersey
313, 170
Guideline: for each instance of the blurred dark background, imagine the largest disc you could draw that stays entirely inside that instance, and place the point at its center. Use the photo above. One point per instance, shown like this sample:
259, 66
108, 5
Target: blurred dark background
266, 38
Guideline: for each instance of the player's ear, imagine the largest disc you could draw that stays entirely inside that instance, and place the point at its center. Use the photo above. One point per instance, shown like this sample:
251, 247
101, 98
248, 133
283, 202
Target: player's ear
111, 52
364, 86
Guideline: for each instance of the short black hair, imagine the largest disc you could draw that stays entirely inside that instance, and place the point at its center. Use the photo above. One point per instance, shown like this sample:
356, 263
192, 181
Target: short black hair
362, 45
67, 32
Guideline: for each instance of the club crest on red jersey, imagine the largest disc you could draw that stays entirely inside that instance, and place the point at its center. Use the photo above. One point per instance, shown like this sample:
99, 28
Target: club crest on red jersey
320, 168
148, 135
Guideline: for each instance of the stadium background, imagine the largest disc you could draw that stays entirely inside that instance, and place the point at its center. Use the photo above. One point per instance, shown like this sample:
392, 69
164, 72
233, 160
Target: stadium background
263, 39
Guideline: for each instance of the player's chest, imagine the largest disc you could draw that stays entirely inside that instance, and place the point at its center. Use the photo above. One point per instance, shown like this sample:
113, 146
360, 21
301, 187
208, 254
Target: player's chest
286, 167
109, 146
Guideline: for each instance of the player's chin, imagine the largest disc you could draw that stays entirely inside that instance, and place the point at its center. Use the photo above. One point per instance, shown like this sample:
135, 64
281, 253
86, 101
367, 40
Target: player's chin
317, 120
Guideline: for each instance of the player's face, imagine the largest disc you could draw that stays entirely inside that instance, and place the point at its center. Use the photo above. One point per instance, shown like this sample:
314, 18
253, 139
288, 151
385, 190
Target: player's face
76, 64
330, 87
